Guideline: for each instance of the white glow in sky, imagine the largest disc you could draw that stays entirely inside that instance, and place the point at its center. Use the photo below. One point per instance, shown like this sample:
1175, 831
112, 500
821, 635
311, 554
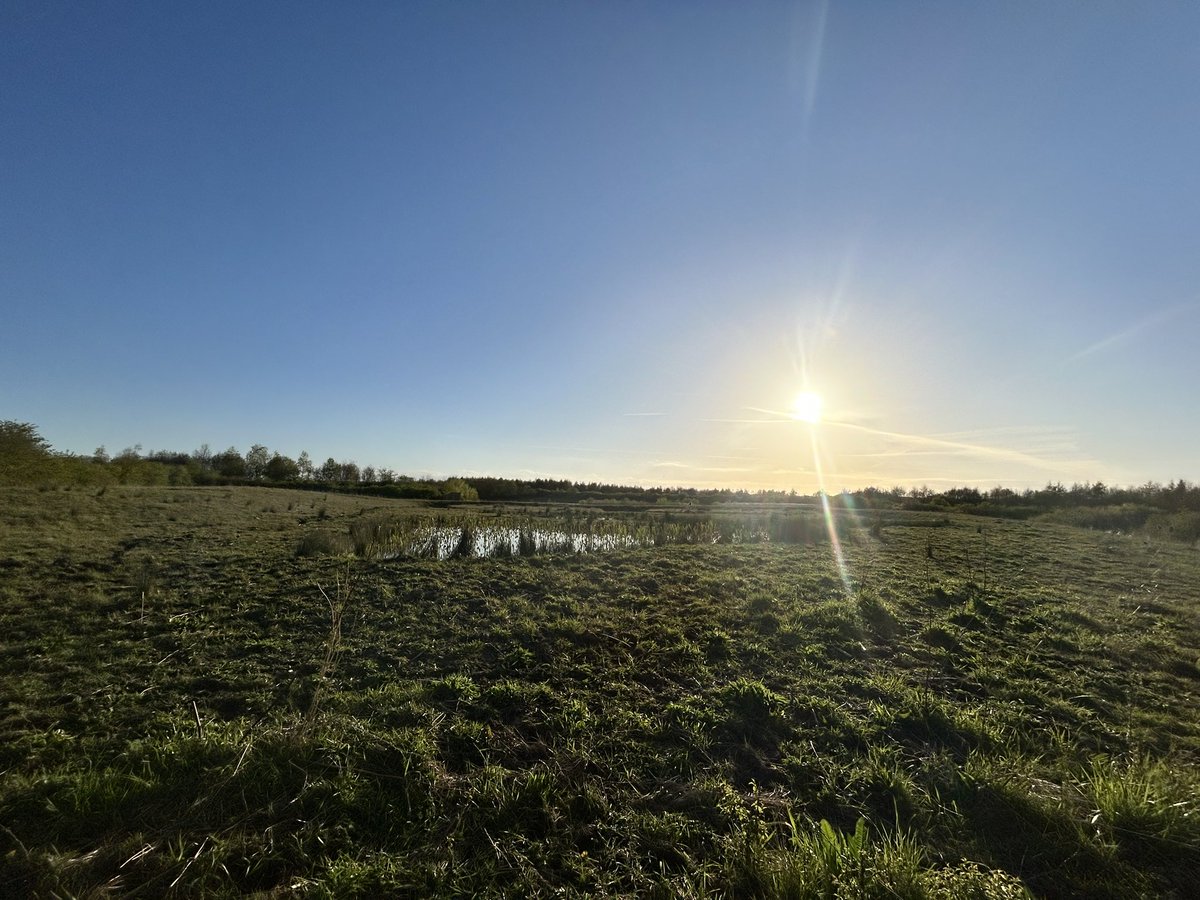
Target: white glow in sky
806, 407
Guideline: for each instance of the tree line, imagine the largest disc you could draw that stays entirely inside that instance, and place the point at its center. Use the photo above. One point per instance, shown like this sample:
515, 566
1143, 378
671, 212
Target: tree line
27, 458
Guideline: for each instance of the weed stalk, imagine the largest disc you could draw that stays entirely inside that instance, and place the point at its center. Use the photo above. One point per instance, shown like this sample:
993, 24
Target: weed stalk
338, 604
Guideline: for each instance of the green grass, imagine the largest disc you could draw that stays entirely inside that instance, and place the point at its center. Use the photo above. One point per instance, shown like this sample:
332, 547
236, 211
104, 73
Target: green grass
688, 719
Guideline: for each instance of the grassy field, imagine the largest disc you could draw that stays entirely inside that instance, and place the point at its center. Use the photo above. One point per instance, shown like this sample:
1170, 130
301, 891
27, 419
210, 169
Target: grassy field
205, 692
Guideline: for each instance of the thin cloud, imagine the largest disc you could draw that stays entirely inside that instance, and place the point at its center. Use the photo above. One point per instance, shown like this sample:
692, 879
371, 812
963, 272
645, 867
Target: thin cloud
806, 57
1151, 321
893, 454
928, 480
779, 416
964, 448
676, 464
1047, 441
1002, 429
1036, 440
595, 451
644, 414
748, 421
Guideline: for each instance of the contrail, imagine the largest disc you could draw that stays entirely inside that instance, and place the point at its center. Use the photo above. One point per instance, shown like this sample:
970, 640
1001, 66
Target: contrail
812, 68
1163, 315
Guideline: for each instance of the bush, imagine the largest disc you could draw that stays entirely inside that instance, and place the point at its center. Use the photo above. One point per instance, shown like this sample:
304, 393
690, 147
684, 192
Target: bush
322, 543
1125, 517
1180, 526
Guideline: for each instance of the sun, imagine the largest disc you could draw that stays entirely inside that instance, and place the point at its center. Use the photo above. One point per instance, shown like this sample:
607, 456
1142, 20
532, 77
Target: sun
807, 407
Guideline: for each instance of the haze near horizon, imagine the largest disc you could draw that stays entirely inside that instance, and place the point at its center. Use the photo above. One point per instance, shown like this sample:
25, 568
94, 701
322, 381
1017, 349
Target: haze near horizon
764, 245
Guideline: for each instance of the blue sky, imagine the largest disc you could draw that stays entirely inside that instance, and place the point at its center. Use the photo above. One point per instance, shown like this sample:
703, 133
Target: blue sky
610, 241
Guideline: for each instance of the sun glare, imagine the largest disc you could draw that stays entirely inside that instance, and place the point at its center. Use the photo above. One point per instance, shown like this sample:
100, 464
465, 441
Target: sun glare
807, 407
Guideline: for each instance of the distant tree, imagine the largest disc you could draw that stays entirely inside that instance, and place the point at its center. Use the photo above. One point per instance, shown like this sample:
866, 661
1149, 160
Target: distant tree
203, 457
126, 462
1173, 496
350, 473
101, 456
330, 470
368, 475
386, 476
1053, 494
281, 468
962, 495
461, 488
169, 457
230, 464
256, 461
1149, 490
305, 465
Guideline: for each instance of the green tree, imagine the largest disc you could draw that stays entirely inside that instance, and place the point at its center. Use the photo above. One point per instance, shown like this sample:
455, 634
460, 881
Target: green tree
230, 464
126, 461
305, 465
256, 461
24, 454
461, 488
281, 468
22, 439
330, 470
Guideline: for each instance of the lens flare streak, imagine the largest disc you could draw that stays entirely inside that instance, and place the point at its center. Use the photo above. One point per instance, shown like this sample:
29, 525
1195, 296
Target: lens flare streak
834, 542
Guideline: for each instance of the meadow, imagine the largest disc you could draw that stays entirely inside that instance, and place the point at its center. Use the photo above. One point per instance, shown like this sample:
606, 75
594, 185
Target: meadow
229, 691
